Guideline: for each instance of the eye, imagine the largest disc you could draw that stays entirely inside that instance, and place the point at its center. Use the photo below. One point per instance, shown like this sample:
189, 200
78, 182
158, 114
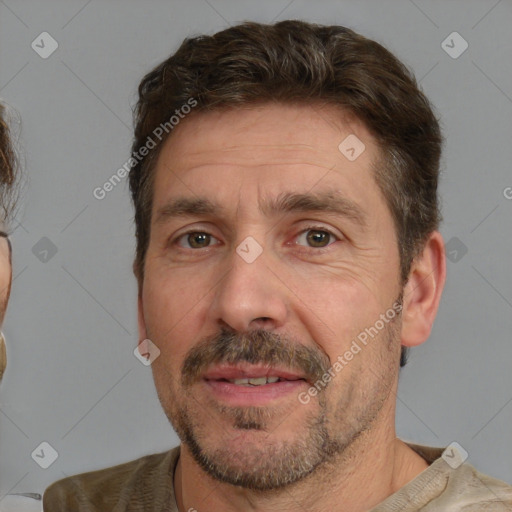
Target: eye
315, 236
195, 240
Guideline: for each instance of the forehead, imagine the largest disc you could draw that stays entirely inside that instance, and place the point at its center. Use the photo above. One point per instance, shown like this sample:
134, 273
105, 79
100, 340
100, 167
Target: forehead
267, 149
280, 130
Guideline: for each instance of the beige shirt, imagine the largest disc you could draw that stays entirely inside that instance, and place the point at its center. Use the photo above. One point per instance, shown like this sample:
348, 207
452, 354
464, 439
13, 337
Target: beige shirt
146, 484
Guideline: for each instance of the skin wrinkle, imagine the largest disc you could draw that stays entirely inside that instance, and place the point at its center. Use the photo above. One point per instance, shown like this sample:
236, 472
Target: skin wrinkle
196, 168
247, 458
276, 157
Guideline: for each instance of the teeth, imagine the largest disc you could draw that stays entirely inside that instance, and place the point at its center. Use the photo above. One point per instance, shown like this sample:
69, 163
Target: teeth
257, 381
240, 382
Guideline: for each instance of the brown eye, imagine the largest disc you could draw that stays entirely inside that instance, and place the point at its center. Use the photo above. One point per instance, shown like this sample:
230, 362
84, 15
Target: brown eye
195, 240
316, 237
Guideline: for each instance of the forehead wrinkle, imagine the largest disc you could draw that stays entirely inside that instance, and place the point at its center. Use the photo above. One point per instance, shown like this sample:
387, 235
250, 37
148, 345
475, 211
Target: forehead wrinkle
328, 201
237, 211
245, 156
288, 145
214, 166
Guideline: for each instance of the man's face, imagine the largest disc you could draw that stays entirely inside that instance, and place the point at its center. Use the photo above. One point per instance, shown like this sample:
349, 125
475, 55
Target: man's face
238, 287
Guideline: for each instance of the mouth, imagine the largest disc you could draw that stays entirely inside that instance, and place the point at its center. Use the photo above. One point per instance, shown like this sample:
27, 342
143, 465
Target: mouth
252, 385
255, 381
246, 374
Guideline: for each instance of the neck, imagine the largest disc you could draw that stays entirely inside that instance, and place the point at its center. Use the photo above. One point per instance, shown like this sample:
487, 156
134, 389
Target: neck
375, 466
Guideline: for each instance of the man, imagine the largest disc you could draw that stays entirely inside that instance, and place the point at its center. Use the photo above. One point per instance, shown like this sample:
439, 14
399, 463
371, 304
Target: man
285, 187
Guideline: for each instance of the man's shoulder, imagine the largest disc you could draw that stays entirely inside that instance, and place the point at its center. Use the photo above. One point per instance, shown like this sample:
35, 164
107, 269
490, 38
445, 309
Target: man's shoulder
474, 491
125, 486
450, 483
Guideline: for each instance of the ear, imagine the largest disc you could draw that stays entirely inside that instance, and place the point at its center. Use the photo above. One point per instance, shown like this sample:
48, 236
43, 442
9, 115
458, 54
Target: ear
423, 290
141, 320
140, 307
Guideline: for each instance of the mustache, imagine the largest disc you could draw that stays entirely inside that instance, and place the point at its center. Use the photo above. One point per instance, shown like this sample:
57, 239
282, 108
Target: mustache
254, 347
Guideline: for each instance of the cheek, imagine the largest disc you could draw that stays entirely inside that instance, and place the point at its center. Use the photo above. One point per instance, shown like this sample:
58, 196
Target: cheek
339, 305
340, 315
173, 312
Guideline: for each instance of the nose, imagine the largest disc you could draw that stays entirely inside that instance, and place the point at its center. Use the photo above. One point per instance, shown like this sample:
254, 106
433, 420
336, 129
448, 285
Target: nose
250, 296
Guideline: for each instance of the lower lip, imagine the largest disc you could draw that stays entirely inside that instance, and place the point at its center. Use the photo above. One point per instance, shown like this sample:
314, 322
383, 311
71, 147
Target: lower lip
236, 395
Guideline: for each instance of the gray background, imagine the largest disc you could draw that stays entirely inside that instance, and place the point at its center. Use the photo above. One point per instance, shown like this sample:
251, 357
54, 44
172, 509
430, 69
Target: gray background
72, 379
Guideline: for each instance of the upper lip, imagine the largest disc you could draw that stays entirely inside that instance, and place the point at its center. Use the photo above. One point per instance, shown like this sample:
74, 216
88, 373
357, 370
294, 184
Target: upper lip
250, 371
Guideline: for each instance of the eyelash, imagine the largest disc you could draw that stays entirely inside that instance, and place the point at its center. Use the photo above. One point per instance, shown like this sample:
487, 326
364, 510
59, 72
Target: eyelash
317, 250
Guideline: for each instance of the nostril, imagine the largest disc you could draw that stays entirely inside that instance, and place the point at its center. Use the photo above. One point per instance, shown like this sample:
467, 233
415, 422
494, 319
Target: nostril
261, 322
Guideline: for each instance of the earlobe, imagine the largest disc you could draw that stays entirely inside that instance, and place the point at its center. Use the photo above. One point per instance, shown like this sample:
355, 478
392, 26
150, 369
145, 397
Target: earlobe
141, 320
423, 290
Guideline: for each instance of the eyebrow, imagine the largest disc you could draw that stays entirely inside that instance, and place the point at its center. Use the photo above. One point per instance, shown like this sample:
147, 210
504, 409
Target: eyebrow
288, 202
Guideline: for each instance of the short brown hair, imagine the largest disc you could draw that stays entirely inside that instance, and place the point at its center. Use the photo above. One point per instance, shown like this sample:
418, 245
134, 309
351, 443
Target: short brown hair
297, 62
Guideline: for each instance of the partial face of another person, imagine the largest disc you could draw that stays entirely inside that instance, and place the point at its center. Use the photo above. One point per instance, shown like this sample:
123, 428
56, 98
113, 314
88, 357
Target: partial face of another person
5, 247
5, 288
5, 272
270, 252
7, 179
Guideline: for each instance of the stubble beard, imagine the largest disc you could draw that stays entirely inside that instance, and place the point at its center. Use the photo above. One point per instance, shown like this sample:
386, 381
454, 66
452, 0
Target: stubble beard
265, 462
